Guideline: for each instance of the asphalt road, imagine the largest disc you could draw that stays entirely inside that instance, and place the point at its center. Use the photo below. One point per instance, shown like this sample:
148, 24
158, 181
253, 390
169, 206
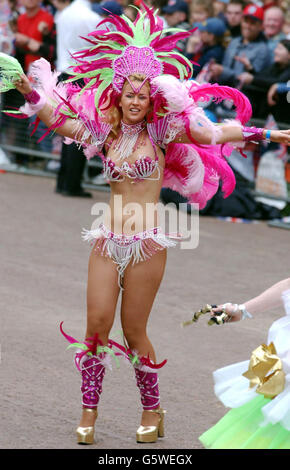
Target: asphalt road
43, 264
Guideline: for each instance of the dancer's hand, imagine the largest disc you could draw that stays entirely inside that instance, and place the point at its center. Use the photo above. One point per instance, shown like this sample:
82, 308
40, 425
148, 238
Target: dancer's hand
22, 84
232, 310
281, 137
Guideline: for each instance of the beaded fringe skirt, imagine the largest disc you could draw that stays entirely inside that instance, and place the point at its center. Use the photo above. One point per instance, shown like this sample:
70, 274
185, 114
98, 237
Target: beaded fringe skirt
123, 249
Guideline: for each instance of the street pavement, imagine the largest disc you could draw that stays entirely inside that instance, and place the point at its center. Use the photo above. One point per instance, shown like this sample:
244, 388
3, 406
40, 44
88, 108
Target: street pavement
43, 264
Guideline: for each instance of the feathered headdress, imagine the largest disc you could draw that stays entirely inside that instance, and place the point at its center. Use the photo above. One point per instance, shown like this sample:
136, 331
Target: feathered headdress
124, 48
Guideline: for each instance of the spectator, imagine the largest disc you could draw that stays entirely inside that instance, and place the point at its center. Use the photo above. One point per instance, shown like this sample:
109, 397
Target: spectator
33, 27
15, 12
211, 32
6, 35
248, 52
220, 8
200, 11
73, 23
105, 8
234, 14
34, 38
176, 15
257, 86
273, 27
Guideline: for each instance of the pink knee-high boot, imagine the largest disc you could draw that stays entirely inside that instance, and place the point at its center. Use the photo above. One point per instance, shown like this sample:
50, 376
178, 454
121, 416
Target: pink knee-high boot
92, 371
92, 363
147, 382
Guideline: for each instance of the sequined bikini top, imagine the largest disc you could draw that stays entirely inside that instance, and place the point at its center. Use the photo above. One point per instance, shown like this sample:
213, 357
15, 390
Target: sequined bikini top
141, 169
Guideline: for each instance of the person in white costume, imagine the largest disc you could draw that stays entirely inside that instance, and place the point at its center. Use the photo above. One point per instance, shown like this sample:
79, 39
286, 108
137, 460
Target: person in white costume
257, 390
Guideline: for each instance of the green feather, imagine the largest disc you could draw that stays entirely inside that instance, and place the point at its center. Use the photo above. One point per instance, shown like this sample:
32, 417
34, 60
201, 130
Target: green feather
139, 39
111, 44
78, 345
100, 90
10, 71
77, 76
176, 64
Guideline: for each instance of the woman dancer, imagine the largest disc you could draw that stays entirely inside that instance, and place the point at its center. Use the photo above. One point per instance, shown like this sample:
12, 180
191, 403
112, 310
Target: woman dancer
136, 109
258, 391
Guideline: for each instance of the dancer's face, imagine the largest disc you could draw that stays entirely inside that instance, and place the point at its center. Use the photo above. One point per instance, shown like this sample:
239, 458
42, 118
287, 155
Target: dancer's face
135, 105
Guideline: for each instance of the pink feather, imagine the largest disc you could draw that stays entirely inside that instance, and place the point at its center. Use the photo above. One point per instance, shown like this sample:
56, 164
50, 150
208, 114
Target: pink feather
206, 91
169, 42
184, 170
194, 171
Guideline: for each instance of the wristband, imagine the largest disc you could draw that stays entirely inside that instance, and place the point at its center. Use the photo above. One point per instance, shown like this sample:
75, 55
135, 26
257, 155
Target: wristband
33, 97
268, 136
34, 103
242, 308
245, 313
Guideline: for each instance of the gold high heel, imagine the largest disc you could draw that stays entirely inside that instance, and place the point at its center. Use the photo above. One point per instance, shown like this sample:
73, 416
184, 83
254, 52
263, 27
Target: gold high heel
151, 433
85, 435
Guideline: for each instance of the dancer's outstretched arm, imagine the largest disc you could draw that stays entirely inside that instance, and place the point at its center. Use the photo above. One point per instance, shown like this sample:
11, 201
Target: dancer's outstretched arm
234, 133
230, 133
267, 300
46, 113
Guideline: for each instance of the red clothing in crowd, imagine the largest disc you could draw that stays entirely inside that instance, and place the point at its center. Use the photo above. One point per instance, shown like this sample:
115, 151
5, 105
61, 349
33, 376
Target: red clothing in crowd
32, 26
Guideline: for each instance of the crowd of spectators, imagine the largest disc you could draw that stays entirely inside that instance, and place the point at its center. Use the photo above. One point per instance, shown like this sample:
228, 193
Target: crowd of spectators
240, 43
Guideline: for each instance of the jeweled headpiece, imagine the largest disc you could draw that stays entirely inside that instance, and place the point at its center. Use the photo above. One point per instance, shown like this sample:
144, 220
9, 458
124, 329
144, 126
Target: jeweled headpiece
139, 60
125, 48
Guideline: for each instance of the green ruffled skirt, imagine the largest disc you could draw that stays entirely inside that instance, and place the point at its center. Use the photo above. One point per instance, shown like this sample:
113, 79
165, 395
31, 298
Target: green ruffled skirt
240, 429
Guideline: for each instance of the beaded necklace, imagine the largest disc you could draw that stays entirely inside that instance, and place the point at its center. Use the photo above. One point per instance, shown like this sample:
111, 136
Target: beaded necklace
126, 143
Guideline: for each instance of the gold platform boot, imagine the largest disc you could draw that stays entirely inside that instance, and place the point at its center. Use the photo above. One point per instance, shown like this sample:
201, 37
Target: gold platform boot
147, 382
93, 371
85, 435
151, 433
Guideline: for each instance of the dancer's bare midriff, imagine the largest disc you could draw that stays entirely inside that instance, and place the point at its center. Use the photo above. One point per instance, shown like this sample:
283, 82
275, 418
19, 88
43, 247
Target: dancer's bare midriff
133, 202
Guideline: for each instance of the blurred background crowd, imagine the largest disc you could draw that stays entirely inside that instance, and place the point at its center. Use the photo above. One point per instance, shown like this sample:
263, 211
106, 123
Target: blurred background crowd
243, 44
